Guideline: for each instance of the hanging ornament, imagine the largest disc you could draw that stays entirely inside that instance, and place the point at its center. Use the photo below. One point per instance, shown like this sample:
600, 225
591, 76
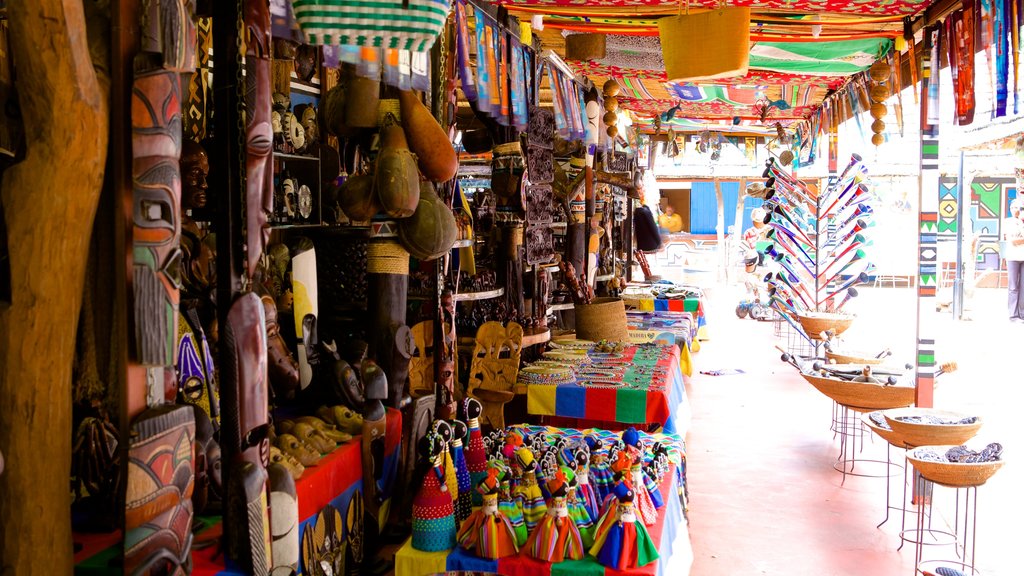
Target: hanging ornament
878, 93
611, 103
611, 88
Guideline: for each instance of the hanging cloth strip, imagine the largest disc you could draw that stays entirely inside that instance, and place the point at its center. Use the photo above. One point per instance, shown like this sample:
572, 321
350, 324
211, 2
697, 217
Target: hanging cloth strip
1002, 60
960, 31
556, 100
1015, 10
519, 87
501, 48
466, 74
483, 68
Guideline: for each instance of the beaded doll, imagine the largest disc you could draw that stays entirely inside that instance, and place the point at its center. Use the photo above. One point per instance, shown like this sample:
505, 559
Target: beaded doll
646, 507
487, 532
578, 511
623, 543
476, 454
527, 492
556, 537
600, 475
444, 432
585, 490
433, 515
506, 505
464, 501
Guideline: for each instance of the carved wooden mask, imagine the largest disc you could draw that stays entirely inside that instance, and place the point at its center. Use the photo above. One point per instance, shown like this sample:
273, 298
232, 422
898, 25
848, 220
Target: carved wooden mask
259, 185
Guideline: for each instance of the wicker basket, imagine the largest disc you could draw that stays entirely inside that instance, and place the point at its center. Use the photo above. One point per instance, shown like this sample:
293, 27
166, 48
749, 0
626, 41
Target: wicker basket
585, 46
954, 474
913, 435
814, 323
602, 319
851, 358
863, 396
887, 435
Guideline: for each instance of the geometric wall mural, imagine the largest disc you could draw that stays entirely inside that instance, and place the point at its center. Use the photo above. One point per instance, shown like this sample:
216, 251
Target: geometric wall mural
990, 198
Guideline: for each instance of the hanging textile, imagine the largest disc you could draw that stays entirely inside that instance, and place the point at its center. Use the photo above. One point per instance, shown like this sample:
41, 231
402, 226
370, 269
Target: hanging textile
519, 86
556, 99
960, 31
1002, 60
930, 80
483, 65
501, 48
466, 74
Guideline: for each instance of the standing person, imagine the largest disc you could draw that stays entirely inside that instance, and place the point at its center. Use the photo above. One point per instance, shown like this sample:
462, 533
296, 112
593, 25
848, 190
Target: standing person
751, 236
1013, 241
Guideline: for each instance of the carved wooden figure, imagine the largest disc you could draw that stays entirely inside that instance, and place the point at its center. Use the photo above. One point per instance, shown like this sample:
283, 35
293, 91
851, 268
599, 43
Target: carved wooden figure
284, 518
494, 369
158, 505
446, 371
169, 29
259, 183
156, 148
421, 365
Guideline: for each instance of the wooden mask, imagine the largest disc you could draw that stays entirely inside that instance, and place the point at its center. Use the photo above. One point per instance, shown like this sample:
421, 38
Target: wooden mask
259, 184
169, 29
156, 179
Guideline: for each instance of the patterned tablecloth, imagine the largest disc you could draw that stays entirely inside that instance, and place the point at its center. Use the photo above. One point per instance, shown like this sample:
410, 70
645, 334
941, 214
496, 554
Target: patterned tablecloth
641, 385
668, 298
412, 562
336, 480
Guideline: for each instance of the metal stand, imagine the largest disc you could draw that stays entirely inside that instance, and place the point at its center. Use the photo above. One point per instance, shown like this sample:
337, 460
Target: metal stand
965, 550
888, 489
918, 535
851, 441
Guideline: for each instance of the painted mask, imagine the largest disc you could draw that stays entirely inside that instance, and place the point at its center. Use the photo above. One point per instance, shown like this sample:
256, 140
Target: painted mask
313, 437
288, 461
292, 446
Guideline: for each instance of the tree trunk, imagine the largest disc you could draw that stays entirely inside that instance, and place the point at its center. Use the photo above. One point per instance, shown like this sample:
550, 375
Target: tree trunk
49, 201
720, 230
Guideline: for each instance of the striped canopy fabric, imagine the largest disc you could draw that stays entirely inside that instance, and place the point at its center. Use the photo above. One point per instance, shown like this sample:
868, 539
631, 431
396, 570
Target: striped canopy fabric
868, 7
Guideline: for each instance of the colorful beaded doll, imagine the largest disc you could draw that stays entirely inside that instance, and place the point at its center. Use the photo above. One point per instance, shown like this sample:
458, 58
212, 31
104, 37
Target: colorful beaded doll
585, 490
444, 432
476, 454
578, 511
556, 537
506, 505
600, 476
527, 492
464, 502
487, 532
623, 543
433, 515
645, 506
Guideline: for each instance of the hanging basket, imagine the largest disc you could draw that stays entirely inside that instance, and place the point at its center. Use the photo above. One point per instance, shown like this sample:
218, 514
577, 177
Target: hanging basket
686, 40
406, 25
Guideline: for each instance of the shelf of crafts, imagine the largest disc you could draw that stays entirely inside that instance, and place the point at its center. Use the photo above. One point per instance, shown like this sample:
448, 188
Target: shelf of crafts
669, 532
485, 295
334, 481
537, 337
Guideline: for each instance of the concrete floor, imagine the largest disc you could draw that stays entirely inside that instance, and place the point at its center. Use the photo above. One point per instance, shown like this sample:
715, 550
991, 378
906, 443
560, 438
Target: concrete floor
764, 497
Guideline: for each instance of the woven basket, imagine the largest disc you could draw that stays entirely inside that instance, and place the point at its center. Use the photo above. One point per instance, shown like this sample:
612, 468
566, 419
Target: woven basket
404, 24
913, 435
585, 46
887, 435
814, 323
851, 358
955, 474
863, 396
602, 319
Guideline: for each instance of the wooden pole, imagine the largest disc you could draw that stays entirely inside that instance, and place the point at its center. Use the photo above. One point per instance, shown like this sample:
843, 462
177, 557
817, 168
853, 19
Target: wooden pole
720, 229
64, 105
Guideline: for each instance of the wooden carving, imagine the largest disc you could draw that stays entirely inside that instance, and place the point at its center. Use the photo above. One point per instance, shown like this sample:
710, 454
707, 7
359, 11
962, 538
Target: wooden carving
65, 98
158, 505
494, 369
156, 214
259, 181
244, 432
446, 372
421, 364
284, 518
197, 383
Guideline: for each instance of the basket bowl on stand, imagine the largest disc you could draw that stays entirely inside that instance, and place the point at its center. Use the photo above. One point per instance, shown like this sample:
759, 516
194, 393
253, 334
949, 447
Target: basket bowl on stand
954, 474
863, 396
814, 323
886, 434
851, 357
914, 434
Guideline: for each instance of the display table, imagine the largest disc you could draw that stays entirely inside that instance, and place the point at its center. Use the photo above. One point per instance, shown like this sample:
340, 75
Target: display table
666, 297
642, 385
412, 562
335, 480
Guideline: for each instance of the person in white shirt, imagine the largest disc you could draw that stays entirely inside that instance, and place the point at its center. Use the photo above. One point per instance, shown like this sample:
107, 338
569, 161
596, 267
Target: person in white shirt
1013, 240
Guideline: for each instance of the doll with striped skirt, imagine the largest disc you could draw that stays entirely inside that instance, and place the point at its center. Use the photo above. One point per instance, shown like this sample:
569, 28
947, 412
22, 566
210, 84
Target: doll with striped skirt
464, 502
487, 532
585, 490
527, 492
622, 543
600, 476
506, 505
578, 511
643, 501
433, 514
476, 454
556, 537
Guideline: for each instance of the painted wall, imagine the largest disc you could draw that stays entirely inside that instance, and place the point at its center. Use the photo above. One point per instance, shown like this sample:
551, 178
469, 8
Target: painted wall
989, 204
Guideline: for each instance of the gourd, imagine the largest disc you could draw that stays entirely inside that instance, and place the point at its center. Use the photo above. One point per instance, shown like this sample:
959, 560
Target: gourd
432, 230
396, 177
357, 199
428, 141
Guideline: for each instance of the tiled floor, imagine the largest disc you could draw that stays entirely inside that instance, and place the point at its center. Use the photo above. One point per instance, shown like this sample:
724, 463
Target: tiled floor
764, 497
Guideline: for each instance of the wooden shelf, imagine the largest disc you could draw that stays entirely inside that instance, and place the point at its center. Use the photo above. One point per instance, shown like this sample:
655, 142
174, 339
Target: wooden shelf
604, 277
560, 307
284, 156
536, 338
486, 295
463, 243
295, 226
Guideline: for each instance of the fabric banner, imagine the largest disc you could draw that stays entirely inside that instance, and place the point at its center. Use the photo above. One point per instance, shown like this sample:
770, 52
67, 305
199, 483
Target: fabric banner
821, 58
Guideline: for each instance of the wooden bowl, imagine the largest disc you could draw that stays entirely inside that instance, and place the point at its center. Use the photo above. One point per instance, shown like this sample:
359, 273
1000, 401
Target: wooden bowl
851, 357
863, 396
886, 434
955, 474
913, 435
814, 323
